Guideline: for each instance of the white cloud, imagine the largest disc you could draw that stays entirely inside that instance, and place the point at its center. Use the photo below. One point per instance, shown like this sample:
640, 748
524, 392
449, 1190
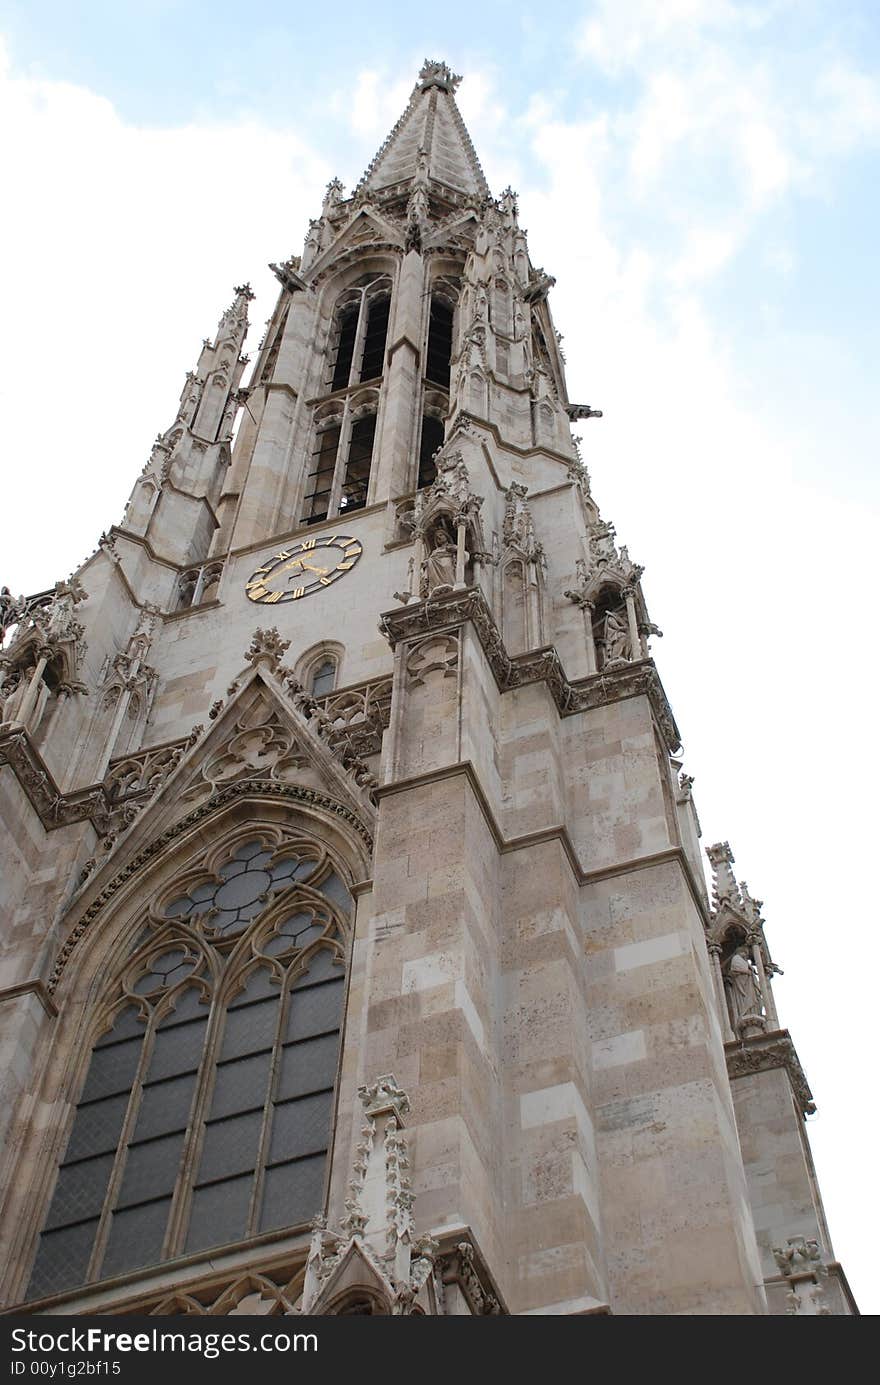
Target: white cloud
125, 244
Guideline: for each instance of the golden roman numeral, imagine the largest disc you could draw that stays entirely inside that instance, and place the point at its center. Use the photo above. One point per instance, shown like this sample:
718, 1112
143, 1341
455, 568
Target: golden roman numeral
256, 593
297, 592
343, 565
273, 596
309, 543
325, 581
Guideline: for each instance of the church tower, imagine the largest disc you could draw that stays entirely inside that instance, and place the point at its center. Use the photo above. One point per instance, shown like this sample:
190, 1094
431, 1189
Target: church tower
358, 951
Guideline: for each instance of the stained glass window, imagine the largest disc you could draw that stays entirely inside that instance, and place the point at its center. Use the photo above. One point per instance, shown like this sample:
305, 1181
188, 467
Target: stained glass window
206, 1110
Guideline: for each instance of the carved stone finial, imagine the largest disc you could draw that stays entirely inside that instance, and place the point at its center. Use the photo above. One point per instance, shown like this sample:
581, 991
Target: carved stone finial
384, 1095
267, 649
244, 291
724, 887
438, 74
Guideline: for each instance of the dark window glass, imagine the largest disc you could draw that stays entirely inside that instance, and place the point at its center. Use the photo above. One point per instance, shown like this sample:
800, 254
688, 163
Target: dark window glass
346, 333
376, 332
151, 1169
322, 967
432, 438
219, 1212
292, 1193
240, 1084
356, 480
63, 1259
308, 1066
324, 677
178, 1048
320, 479
314, 1010
165, 1106
136, 1237
80, 1190
301, 1127
250, 1028
439, 344
230, 1147
112, 1069
97, 1127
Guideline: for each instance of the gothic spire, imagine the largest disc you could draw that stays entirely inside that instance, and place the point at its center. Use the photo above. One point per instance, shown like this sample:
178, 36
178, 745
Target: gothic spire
429, 141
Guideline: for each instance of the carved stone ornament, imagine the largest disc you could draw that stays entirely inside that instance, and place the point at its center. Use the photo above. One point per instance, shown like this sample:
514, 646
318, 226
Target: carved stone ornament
296, 794
267, 649
375, 1250
763, 1054
437, 654
518, 529
801, 1264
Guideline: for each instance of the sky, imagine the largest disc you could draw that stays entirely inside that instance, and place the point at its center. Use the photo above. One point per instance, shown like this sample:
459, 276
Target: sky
701, 177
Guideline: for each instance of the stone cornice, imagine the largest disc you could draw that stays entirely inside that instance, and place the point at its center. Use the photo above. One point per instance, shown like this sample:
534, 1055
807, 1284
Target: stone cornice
453, 609
557, 832
461, 1262
34, 987
766, 1052
506, 446
53, 808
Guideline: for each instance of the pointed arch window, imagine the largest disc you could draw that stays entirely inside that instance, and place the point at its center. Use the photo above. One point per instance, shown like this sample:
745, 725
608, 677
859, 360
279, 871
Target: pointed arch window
439, 353
205, 1112
431, 440
338, 481
323, 678
360, 331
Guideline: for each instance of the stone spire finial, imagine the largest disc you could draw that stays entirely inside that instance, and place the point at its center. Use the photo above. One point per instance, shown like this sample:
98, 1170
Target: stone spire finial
434, 74
267, 648
724, 887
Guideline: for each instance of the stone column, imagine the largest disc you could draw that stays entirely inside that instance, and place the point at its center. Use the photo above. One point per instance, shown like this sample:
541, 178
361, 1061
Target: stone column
634, 641
199, 587
460, 536
723, 1013
763, 983
588, 608
418, 562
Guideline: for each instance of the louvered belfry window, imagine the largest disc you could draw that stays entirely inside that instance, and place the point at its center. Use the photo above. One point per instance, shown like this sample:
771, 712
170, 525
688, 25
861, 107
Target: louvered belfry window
205, 1113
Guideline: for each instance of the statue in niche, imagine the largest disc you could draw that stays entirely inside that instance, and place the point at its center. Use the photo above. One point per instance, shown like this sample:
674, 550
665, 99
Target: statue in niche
440, 560
616, 637
742, 992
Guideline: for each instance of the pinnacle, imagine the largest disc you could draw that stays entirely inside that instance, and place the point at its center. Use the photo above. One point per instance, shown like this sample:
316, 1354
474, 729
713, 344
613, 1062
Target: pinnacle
430, 140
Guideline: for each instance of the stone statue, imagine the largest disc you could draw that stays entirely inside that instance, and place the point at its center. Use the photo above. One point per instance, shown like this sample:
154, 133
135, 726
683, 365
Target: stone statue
440, 562
10, 611
616, 636
741, 988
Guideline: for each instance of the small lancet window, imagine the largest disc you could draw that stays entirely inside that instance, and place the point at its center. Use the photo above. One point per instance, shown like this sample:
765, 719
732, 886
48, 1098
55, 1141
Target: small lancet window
432, 440
357, 346
356, 476
324, 678
346, 336
374, 337
439, 352
319, 484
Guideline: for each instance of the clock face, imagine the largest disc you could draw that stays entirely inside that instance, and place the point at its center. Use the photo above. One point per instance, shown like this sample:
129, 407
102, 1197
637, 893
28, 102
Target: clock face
305, 567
